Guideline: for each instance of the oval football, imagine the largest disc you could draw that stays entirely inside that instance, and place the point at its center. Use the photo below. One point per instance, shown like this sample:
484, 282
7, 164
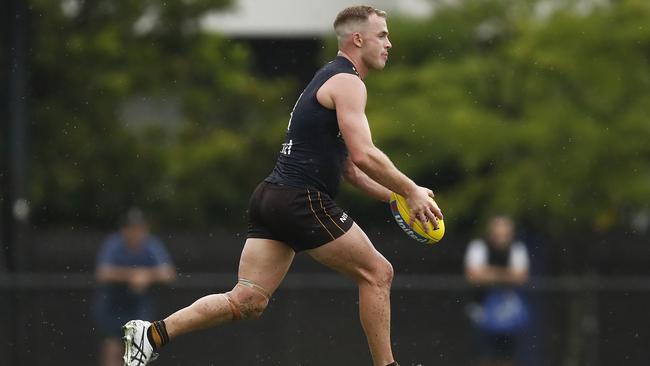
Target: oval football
402, 215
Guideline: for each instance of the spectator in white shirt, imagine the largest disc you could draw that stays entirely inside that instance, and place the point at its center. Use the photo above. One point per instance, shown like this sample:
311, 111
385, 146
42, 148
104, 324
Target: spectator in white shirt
497, 265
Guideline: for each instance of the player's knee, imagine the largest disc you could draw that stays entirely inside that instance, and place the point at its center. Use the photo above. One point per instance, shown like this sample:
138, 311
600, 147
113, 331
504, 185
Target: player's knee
387, 273
381, 274
250, 303
253, 307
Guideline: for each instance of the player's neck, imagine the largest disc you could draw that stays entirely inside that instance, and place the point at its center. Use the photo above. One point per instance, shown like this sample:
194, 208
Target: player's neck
359, 66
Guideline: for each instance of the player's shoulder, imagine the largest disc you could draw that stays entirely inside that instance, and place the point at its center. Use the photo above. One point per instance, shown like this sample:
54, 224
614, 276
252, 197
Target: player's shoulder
346, 86
349, 79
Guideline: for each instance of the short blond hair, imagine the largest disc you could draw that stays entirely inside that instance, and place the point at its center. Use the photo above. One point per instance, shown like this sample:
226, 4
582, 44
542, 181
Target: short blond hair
353, 16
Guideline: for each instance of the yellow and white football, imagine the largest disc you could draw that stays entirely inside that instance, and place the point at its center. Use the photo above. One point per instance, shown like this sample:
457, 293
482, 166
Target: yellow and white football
402, 215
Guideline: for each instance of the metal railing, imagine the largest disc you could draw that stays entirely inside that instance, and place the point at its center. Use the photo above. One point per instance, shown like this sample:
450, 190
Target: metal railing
297, 281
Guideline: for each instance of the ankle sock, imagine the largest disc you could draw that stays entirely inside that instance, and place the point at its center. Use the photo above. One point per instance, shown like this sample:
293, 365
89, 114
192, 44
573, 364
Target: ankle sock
157, 334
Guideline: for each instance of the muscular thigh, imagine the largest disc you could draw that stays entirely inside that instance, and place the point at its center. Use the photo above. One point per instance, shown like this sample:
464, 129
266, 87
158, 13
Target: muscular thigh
265, 262
352, 254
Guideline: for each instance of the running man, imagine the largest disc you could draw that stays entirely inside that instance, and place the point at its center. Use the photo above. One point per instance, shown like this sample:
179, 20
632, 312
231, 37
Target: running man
292, 210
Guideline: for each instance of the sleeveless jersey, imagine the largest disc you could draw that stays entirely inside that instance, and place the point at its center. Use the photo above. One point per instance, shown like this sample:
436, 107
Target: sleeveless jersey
313, 152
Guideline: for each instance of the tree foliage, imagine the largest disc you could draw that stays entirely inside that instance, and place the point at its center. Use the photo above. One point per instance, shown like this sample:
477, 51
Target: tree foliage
503, 108
89, 58
499, 105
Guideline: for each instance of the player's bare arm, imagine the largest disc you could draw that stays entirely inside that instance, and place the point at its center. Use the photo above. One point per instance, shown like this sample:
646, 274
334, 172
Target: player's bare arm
363, 182
347, 94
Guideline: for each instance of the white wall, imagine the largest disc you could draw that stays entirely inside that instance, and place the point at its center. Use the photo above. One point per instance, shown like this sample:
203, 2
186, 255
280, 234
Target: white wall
296, 18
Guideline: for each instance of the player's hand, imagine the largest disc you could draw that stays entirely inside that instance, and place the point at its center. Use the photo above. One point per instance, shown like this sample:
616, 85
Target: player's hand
423, 207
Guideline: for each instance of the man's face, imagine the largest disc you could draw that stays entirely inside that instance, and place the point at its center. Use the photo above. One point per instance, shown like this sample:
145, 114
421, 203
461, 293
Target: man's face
135, 234
375, 44
501, 232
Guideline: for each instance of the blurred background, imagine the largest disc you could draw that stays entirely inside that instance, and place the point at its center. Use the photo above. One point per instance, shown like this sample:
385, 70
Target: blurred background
539, 109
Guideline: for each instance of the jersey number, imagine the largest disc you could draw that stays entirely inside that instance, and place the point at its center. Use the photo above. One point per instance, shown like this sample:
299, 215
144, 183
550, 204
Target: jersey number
286, 148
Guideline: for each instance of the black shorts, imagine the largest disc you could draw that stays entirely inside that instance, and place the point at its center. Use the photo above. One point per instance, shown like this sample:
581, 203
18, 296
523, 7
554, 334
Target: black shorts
303, 218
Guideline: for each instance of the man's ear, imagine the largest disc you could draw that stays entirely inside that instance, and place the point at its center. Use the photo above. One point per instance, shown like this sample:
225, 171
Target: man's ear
357, 39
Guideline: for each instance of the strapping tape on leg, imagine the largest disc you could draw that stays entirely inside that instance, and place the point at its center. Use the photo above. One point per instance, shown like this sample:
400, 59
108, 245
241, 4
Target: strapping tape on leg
234, 307
252, 285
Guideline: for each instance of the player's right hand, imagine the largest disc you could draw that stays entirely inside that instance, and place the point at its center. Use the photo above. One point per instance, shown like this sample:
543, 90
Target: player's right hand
423, 207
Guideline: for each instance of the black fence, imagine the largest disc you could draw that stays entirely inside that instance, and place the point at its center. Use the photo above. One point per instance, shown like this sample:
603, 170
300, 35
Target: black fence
312, 320
594, 320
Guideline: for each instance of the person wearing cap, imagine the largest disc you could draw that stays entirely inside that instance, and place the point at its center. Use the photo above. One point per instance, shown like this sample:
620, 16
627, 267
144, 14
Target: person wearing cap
129, 263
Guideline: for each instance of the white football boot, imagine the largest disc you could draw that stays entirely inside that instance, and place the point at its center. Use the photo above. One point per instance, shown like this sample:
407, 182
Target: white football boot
137, 349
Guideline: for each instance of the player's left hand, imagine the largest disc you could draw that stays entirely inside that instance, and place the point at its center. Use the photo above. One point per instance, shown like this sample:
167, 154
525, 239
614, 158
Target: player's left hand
424, 208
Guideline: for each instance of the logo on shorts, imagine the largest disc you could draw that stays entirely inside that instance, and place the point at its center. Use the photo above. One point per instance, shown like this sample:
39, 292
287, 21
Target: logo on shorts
343, 217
